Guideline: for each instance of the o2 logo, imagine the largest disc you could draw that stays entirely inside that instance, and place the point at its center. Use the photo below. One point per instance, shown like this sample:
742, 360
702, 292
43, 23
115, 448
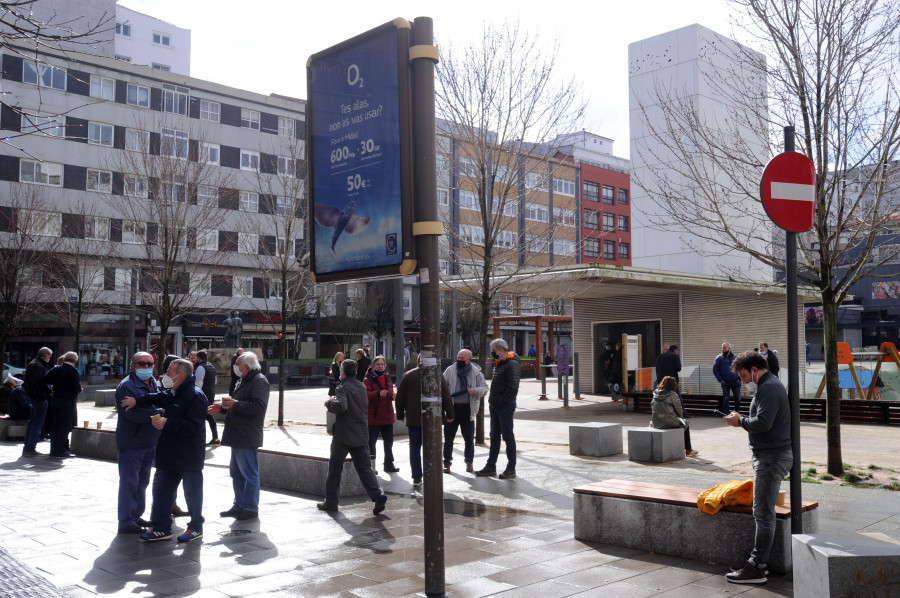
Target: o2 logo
390, 244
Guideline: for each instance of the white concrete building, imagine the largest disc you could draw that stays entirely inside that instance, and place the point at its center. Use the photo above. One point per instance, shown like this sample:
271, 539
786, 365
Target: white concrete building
683, 66
146, 40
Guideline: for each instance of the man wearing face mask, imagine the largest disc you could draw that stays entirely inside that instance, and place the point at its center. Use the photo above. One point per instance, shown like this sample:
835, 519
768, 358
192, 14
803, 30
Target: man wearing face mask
180, 452
467, 387
730, 381
136, 444
771, 358
769, 430
502, 400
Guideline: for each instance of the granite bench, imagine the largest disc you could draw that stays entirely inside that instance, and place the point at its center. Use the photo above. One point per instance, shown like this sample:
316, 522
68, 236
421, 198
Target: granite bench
665, 519
655, 446
854, 564
304, 473
12, 429
97, 444
105, 397
595, 439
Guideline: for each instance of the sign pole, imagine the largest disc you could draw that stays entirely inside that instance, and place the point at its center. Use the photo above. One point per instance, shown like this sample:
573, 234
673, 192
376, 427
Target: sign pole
793, 350
426, 228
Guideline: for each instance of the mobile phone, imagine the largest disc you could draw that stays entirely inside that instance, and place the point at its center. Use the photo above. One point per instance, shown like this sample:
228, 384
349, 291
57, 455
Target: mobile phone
717, 412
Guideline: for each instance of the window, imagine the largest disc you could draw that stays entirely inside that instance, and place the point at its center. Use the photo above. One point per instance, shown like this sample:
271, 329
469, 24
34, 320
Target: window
444, 266
623, 223
623, 195
174, 144
563, 247
207, 195
99, 180
133, 232
443, 197
137, 141
286, 166
42, 173
467, 200
161, 67
174, 98
535, 180
209, 153
281, 206
531, 305
537, 212
123, 29
473, 235
286, 126
100, 134
96, 228
209, 110
40, 222
249, 202
592, 219
506, 238
609, 250
103, 88
208, 239
591, 248
564, 187
43, 75
608, 196
249, 119
623, 251
591, 191
249, 160
564, 217
123, 58
248, 243
162, 39
135, 186
504, 304
54, 126
137, 95
468, 167
609, 222
173, 190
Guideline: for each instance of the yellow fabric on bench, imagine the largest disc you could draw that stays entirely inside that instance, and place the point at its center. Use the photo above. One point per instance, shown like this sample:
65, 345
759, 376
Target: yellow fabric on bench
729, 494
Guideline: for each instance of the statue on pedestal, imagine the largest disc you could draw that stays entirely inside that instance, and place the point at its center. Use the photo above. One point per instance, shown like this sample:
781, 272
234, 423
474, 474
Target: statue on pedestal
234, 328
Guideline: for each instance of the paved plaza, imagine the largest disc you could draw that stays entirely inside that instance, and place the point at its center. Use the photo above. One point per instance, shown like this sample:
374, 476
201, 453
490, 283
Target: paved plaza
502, 537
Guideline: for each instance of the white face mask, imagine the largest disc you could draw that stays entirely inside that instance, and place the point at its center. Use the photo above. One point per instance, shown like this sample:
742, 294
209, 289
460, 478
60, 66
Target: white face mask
236, 369
167, 381
752, 386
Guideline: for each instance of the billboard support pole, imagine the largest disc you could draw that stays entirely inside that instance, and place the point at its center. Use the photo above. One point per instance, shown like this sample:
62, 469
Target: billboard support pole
426, 228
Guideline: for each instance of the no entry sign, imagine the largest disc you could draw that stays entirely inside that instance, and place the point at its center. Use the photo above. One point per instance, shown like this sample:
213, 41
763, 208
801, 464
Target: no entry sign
788, 191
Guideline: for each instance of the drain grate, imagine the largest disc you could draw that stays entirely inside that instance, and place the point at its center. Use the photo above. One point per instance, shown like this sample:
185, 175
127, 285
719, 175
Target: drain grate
18, 580
236, 532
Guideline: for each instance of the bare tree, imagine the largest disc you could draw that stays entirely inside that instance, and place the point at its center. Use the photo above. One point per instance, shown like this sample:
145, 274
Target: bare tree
830, 68
380, 308
28, 20
175, 204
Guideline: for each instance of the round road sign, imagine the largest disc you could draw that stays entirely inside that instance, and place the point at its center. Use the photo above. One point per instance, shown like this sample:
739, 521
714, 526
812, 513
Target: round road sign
788, 191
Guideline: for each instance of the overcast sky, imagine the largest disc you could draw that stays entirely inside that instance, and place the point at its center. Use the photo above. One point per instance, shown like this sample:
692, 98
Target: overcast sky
262, 45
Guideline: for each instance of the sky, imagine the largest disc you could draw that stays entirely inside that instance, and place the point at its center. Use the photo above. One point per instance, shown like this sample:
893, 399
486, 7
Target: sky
262, 46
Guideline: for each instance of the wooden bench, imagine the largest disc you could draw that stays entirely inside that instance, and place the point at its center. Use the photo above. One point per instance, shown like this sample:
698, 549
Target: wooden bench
660, 518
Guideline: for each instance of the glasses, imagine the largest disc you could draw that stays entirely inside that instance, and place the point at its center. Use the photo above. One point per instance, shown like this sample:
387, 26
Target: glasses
144, 364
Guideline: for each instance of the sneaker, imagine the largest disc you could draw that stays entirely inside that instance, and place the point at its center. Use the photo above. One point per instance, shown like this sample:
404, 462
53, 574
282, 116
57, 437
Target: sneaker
31, 454
214, 443
507, 475
391, 468
144, 523
417, 481
190, 536
747, 574
469, 467
154, 536
133, 528
380, 502
739, 567
446, 466
486, 471
232, 512
64, 455
246, 515
324, 506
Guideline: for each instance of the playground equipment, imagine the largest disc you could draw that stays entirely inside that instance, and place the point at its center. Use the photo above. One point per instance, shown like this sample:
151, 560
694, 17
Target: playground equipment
863, 381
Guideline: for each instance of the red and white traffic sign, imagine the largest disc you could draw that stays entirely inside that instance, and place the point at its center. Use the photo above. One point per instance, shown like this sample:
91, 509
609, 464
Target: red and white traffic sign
788, 191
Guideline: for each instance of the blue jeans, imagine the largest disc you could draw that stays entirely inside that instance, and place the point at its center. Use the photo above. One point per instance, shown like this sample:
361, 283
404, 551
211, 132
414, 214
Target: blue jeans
462, 421
387, 434
35, 425
363, 465
415, 451
244, 470
134, 477
769, 469
735, 389
165, 485
502, 427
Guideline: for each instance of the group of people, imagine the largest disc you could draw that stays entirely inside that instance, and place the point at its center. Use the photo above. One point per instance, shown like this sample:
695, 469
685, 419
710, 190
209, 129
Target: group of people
363, 406
730, 381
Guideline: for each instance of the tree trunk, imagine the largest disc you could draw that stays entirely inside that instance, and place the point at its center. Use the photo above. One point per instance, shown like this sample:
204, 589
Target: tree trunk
485, 318
78, 325
282, 352
832, 386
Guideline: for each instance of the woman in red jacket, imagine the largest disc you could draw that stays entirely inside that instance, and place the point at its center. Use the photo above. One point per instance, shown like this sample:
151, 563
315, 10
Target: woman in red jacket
380, 391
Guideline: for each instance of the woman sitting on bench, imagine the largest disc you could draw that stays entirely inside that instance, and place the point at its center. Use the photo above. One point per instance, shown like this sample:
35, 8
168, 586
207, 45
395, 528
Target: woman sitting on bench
666, 410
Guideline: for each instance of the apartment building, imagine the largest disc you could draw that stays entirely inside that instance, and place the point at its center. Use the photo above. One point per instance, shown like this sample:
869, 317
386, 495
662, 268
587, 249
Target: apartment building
148, 41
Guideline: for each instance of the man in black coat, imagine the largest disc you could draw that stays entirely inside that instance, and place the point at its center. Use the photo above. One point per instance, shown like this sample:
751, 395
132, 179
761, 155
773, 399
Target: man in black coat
205, 372
362, 364
771, 358
38, 394
66, 383
244, 418
668, 364
502, 401
180, 452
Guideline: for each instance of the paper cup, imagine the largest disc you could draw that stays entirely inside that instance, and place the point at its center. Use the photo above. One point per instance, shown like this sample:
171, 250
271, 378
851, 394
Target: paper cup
155, 417
99, 425
87, 423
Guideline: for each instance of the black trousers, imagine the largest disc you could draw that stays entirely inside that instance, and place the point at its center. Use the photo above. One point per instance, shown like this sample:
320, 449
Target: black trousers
63, 420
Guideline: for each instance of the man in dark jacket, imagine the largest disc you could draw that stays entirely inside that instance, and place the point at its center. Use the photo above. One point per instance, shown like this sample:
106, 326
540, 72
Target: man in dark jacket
731, 382
502, 401
362, 364
135, 444
244, 418
38, 394
66, 383
205, 373
409, 409
350, 436
668, 364
180, 452
771, 358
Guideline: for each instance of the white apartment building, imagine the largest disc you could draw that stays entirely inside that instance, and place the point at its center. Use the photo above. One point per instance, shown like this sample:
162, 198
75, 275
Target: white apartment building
146, 40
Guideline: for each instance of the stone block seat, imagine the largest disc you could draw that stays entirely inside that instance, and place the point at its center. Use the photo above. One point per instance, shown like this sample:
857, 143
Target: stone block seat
304, 473
12, 429
595, 439
93, 443
105, 397
655, 446
853, 564
660, 518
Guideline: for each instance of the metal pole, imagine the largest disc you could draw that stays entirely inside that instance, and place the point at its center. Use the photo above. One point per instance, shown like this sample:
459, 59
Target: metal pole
793, 351
565, 392
399, 332
427, 250
575, 388
559, 386
132, 314
543, 384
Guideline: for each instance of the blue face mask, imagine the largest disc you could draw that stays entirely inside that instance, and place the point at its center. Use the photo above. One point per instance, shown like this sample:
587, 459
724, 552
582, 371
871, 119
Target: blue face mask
143, 373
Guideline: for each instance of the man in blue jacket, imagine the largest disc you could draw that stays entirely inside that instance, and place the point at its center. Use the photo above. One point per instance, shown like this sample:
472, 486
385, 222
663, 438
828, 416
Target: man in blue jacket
180, 452
136, 444
731, 382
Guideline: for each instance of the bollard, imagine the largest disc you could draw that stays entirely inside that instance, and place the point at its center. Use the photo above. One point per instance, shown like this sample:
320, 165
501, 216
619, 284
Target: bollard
565, 392
559, 387
576, 390
543, 386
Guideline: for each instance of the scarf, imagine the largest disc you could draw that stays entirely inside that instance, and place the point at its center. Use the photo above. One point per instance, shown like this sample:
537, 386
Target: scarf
462, 383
